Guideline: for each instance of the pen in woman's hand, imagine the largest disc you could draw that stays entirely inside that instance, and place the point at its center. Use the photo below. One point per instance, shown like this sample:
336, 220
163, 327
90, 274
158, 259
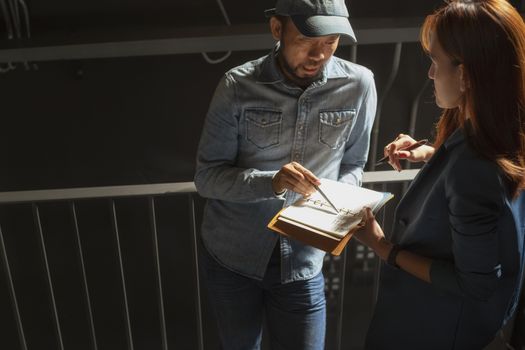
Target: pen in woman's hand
409, 148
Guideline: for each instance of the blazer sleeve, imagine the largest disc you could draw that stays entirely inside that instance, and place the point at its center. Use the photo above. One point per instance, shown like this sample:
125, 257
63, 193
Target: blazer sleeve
475, 197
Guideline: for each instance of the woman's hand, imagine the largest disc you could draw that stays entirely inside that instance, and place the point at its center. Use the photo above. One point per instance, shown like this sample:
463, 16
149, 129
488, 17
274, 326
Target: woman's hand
372, 235
394, 151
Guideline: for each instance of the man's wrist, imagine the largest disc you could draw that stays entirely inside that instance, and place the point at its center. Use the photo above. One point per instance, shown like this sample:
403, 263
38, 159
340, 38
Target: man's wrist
280, 194
277, 193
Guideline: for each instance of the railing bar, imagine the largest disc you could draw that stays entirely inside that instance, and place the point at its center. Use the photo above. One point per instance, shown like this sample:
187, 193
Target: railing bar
210, 42
390, 176
377, 272
38, 223
158, 189
413, 119
96, 192
341, 301
159, 275
84, 275
122, 277
377, 122
193, 228
12, 293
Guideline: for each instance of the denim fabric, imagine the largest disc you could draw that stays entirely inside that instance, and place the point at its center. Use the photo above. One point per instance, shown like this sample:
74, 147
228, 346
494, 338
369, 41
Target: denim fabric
256, 123
295, 312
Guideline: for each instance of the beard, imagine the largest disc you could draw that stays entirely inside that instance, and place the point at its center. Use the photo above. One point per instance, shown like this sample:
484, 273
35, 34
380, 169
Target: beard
291, 73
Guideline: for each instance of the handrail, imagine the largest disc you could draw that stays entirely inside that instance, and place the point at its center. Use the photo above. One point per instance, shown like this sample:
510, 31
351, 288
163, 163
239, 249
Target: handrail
158, 189
96, 192
112, 192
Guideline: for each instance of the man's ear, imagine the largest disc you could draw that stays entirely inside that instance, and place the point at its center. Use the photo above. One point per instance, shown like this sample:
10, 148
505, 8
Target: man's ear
276, 27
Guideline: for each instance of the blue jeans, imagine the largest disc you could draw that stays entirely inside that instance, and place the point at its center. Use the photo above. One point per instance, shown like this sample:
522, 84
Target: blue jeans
295, 312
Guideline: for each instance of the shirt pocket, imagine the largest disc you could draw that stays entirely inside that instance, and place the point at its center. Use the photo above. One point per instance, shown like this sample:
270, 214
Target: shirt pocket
335, 127
263, 127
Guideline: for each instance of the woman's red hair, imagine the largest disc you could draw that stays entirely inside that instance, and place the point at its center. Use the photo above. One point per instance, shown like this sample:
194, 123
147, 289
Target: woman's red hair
488, 38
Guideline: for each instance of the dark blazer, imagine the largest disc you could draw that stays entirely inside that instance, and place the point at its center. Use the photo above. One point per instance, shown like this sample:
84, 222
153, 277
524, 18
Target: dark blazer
456, 212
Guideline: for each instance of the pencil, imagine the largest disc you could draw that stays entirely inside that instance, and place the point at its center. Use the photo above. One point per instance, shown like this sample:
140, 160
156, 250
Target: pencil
409, 148
326, 198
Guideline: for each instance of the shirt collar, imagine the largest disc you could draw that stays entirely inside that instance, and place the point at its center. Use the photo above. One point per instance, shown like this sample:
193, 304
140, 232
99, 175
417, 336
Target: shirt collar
271, 74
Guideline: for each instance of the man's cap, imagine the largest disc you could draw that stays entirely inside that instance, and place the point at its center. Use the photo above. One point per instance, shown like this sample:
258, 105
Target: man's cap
316, 17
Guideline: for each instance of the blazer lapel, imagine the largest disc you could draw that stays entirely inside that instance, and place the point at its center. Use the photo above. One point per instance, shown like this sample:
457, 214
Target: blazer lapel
423, 173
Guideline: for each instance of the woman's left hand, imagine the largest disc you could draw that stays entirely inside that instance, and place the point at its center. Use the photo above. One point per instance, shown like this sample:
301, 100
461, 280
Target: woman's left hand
372, 235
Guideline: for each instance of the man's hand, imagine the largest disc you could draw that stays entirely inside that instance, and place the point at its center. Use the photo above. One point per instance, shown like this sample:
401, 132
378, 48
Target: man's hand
294, 177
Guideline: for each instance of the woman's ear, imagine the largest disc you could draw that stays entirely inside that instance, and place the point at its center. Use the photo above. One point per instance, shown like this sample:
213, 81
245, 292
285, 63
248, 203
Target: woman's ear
464, 83
276, 27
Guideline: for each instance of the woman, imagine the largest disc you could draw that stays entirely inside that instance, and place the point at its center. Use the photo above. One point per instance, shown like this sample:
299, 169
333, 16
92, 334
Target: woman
454, 260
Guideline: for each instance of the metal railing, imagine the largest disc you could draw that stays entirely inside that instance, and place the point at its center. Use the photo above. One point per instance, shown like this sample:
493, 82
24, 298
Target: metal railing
151, 193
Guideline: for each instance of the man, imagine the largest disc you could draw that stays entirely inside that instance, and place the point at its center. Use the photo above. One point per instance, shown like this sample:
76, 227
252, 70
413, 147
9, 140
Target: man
272, 124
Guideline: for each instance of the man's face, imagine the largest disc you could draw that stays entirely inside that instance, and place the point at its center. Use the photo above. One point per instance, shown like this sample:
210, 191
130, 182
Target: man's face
302, 58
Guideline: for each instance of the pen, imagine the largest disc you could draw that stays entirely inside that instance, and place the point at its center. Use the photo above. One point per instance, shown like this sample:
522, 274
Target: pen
325, 197
409, 148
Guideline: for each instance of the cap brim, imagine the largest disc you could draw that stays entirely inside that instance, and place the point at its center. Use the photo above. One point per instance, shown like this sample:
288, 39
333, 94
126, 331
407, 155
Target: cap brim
270, 12
324, 25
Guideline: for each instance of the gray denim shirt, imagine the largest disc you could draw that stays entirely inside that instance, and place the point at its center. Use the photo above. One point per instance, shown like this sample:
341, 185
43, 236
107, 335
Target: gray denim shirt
256, 123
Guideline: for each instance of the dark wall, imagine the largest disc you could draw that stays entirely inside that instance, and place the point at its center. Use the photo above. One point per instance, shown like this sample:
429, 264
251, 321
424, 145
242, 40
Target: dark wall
99, 122
138, 119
